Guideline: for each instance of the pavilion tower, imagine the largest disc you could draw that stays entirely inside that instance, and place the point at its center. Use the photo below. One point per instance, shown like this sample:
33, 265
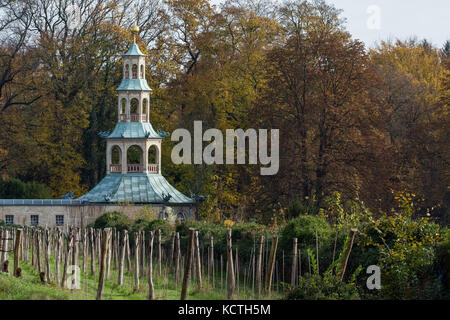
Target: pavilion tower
133, 149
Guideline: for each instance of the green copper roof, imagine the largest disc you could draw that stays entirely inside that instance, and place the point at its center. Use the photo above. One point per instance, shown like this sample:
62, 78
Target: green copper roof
133, 130
134, 51
135, 188
134, 85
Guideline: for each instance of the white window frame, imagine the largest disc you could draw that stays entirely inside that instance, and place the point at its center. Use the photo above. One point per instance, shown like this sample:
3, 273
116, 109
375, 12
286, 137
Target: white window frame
7, 217
57, 222
31, 219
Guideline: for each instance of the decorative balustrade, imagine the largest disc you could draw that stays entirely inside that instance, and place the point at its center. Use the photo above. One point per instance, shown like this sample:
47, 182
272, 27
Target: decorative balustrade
153, 168
134, 117
135, 168
115, 168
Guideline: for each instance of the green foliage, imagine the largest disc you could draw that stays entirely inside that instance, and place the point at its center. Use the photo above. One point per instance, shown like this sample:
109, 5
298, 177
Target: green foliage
304, 228
316, 287
15, 189
166, 228
113, 219
443, 265
406, 252
298, 207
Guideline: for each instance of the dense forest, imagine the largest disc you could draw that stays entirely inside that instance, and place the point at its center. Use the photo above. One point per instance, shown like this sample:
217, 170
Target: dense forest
362, 124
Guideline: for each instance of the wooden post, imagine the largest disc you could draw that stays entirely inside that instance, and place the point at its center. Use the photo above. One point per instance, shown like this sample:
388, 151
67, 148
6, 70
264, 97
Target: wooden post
58, 243
104, 249
122, 256
273, 252
108, 259
136, 261
172, 248
230, 269
187, 267
38, 250
128, 253
4, 247
67, 258
151, 288
259, 262
178, 258
211, 259
294, 262
17, 251
47, 253
93, 253
198, 268
347, 253
142, 252
158, 234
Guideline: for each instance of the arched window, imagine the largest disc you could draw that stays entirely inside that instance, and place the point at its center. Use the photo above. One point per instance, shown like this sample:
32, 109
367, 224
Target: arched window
134, 71
127, 71
116, 155
142, 71
134, 106
153, 155
123, 106
153, 159
135, 159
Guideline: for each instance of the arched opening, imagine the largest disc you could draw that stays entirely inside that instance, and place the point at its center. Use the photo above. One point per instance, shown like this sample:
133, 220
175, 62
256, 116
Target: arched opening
116, 159
144, 109
127, 71
153, 159
142, 71
123, 104
116, 155
134, 159
134, 109
134, 70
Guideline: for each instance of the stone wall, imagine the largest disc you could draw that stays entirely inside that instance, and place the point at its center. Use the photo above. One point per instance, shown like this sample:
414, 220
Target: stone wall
81, 216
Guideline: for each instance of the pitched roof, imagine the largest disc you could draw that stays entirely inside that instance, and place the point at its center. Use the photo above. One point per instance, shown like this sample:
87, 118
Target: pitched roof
134, 130
134, 85
134, 51
135, 188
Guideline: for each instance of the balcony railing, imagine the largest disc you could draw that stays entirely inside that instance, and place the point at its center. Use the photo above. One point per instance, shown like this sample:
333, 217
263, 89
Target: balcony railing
131, 168
135, 168
134, 117
153, 168
115, 168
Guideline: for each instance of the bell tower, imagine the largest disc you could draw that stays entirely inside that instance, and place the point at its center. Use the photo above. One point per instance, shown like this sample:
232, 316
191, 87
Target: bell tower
133, 146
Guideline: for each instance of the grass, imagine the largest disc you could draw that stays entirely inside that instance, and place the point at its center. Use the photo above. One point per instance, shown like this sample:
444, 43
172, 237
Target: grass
29, 287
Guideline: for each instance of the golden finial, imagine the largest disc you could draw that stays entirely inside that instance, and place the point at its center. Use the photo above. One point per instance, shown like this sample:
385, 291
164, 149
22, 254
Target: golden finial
134, 31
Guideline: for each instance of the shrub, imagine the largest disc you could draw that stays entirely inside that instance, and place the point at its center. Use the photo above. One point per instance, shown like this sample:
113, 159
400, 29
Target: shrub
316, 287
166, 228
113, 219
304, 228
297, 208
443, 265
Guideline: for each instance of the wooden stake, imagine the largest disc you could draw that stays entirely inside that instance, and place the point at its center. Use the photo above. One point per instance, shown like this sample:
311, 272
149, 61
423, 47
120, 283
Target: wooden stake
273, 252
104, 250
17, 251
347, 253
188, 263
230, 271
151, 288
259, 267
294, 262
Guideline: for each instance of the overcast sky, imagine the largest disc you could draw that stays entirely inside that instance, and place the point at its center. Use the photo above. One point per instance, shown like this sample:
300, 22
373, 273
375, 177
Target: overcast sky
428, 19
375, 20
